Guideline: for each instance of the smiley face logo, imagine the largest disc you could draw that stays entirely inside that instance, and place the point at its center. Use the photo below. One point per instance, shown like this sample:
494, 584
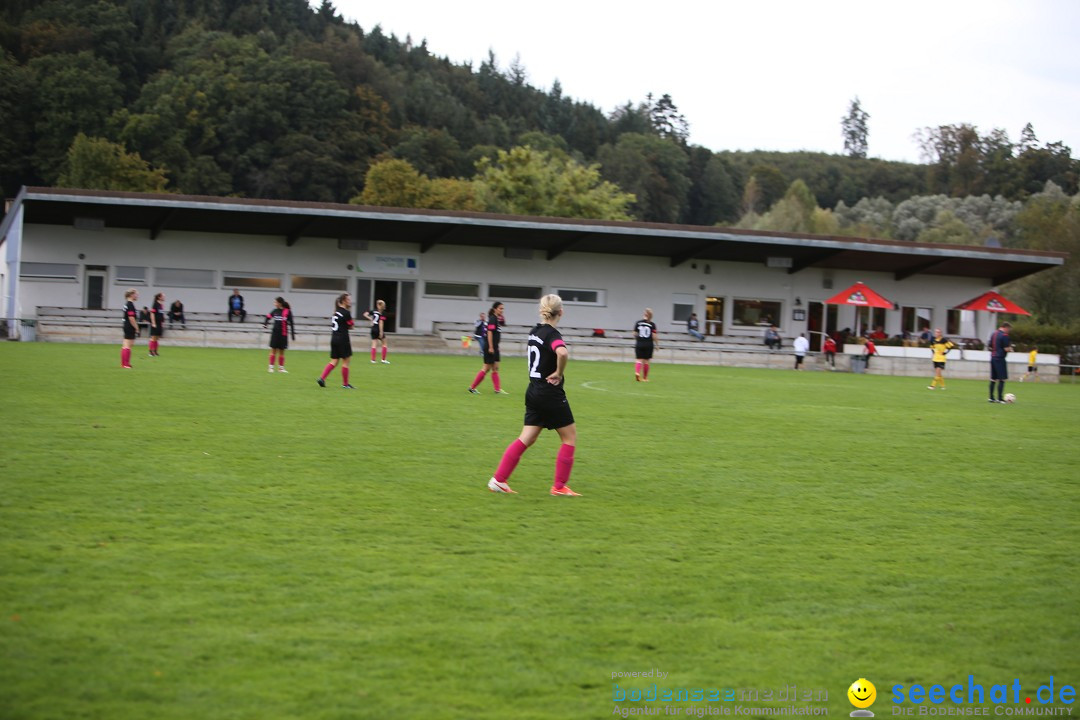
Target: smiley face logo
862, 693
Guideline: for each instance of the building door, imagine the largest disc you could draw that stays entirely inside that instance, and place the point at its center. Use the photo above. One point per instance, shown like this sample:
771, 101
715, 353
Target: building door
714, 316
95, 288
399, 296
814, 322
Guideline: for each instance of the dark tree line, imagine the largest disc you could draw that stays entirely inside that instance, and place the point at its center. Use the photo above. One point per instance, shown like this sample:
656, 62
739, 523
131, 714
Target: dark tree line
276, 99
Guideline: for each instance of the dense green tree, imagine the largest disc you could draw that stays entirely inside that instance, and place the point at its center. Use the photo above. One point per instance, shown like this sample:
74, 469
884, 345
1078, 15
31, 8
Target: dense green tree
526, 181
654, 170
435, 153
16, 85
1050, 220
72, 93
97, 164
712, 197
856, 130
393, 183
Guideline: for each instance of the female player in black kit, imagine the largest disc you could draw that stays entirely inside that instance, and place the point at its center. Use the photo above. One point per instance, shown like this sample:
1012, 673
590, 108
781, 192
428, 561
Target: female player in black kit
340, 345
545, 402
491, 351
378, 330
131, 327
157, 323
644, 344
282, 318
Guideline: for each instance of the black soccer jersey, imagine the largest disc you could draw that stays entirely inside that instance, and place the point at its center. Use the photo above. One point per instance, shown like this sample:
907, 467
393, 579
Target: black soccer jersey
129, 312
282, 319
376, 316
543, 361
643, 332
159, 314
340, 324
493, 326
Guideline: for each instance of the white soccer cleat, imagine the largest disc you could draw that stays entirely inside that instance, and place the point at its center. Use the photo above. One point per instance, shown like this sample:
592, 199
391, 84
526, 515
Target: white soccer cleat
499, 487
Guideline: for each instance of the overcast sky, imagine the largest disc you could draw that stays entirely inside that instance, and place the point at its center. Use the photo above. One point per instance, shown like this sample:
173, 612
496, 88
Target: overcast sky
779, 75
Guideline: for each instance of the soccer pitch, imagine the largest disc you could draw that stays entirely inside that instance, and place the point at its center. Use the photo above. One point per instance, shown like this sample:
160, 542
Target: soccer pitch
198, 538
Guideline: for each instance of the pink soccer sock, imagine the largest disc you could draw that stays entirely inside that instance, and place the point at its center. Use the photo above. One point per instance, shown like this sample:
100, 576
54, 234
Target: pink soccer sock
384, 352
495, 380
479, 379
637, 368
645, 376
327, 370
272, 359
510, 459
125, 356
281, 360
153, 346
372, 354
564, 462
344, 376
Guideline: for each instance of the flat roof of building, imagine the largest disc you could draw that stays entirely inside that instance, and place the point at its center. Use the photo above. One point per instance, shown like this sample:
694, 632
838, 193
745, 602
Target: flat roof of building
291, 220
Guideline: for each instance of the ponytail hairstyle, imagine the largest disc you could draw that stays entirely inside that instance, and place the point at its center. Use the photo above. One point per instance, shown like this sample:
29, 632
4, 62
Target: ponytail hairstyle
380, 304
340, 300
550, 307
281, 301
130, 293
159, 297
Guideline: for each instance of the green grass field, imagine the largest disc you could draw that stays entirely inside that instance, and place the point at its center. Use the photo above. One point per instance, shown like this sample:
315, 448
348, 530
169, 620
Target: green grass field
199, 539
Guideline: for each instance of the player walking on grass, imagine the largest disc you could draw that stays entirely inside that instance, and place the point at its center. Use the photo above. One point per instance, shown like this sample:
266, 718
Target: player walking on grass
378, 332
157, 323
545, 402
492, 332
1033, 369
999, 346
644, 345
282, 318
940, 346
131, 327
340, 344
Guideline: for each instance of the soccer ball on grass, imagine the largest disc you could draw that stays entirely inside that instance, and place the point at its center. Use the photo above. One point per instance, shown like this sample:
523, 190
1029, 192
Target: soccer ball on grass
1010, 398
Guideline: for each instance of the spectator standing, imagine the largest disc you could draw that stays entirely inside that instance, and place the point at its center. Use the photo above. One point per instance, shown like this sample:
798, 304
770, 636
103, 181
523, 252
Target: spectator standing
801, 346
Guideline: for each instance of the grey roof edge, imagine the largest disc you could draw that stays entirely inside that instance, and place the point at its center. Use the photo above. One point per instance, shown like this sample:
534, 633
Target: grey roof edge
291, 207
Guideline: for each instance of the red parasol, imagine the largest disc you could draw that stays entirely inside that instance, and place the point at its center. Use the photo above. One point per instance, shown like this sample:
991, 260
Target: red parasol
859, 294
990, 301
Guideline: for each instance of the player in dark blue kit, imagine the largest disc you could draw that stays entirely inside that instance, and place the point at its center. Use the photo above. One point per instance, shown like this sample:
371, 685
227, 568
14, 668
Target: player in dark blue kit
340, 344
378, 329
644, 344
282, 318
999, 346
545, 402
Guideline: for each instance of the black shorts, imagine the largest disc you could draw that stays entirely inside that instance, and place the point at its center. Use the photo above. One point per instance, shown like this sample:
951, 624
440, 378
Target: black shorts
157, 331
1032, 369
799, 359
998, 369
129, 332
374, 333
546, 406
340, 349
492, 357
279, 342
643, 352
939, 364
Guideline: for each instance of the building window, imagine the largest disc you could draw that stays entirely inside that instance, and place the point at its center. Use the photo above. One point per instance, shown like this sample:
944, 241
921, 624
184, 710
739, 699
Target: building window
952, 322
184, 277
48, 271
682, 305
914, 319
311, 282
514, 292
261, 281
127, 275
755, 313
450, 289
573, 296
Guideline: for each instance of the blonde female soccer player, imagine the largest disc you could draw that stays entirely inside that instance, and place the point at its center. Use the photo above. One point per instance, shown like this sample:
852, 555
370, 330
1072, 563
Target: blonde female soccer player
940, 347
378, 329
545, 402
644, 345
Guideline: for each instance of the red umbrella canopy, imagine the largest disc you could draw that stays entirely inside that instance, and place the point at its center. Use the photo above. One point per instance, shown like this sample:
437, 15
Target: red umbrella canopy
859, 294
992, 302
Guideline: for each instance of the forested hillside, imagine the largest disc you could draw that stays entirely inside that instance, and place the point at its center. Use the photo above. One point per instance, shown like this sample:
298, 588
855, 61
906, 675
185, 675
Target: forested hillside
278, 99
